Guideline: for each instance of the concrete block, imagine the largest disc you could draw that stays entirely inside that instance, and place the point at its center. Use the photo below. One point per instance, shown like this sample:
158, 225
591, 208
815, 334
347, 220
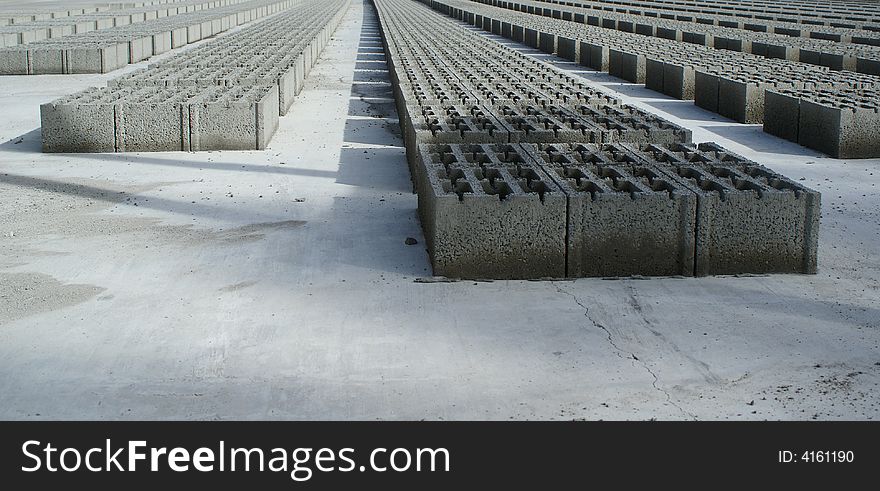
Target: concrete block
838, 61
151, 121
14, 61
240, 118
547, 42
631, 125
629, 66
867, 65
810, 55
161, 42
782, 114
598, 56
567, 48
741, 100
193, 33
518, 33
531, 38
533, 123
843, 129
678, 81
624, 217
487, 213
179, 37
83, 122
140, 49
46, 60
454, 124
646, 29
654, 68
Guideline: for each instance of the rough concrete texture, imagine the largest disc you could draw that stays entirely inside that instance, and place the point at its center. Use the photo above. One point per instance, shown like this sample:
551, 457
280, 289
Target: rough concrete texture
157, 119
624, 217
728, 77
782, 108
277, 284
134, 35
629, 212
488, 213
843, 126
182, 105
749, 219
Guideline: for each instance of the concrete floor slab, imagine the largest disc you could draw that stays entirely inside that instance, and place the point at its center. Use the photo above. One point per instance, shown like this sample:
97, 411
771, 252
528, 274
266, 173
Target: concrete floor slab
278, 285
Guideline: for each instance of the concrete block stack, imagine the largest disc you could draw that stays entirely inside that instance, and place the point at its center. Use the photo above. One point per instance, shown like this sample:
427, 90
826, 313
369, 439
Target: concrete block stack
731, 83
280, 51
525, 172
234, 103
840, 123
468, 89
100, 42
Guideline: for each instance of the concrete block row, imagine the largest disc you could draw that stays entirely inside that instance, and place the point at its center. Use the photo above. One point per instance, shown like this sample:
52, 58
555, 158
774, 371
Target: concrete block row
142, 40
173, 106
730, 83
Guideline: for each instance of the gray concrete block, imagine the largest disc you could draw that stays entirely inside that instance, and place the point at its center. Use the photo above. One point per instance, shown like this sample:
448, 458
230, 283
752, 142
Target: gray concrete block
46, 60
631, 125
97, 58
83, 122
624, 217
810, 55
782, 114
654, 68
518, 33
531, 38
629, 66
599, 56
535, 124
14, 61
454, 124
151, 122
867, 65
838, 61
496, 26
841, 129
741, 100
706, 90
547, 42
487, 213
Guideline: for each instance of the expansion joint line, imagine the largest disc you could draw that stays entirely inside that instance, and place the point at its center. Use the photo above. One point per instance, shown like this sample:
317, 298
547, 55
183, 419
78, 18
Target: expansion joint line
627, 355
